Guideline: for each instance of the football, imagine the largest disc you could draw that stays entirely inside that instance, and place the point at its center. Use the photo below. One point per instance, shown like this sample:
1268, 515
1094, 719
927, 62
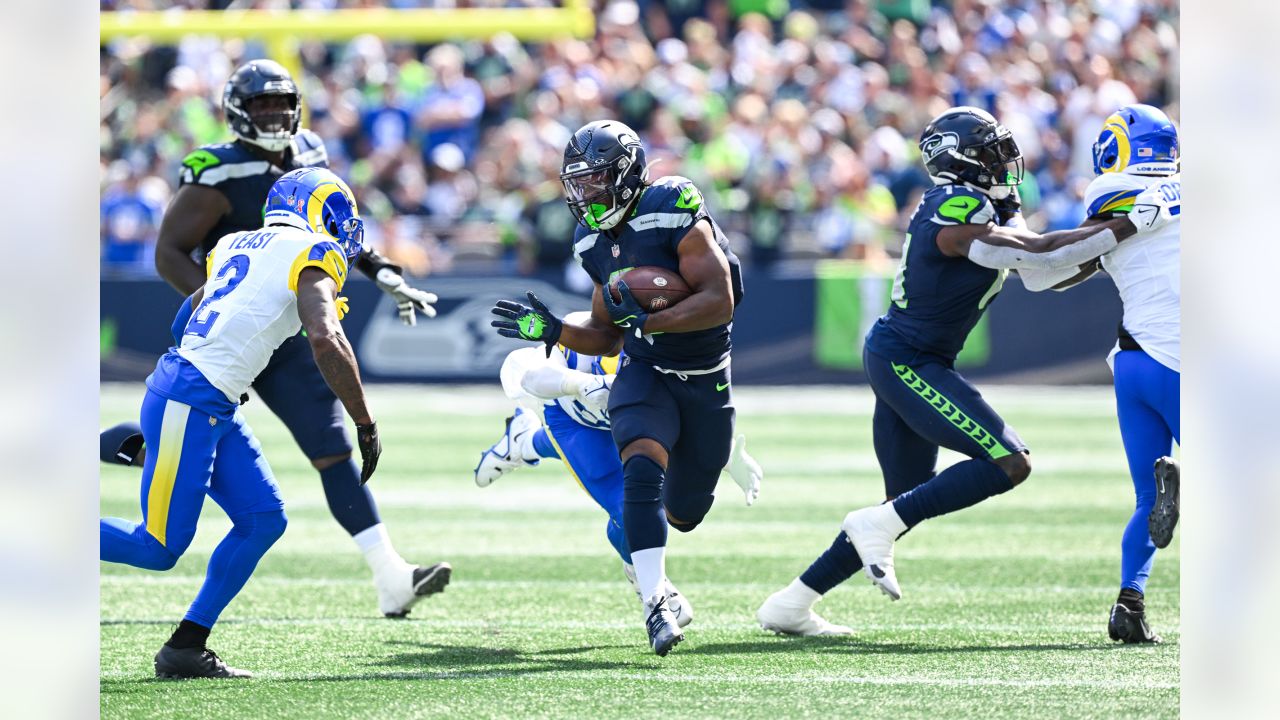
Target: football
654, 288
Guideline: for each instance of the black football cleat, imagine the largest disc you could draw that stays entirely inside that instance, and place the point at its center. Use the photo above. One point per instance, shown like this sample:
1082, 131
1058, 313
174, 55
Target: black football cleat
1128, 622
187, 663
1164, 515
664, 630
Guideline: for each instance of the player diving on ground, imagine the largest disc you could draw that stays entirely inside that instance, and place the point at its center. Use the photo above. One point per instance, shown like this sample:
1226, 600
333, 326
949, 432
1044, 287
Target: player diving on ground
572, 392
1138, 149
262, 287
221, 190
671, 407
962, 240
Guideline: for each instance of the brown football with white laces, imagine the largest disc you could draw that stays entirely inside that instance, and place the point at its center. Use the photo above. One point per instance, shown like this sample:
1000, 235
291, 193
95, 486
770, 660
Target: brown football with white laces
655, 288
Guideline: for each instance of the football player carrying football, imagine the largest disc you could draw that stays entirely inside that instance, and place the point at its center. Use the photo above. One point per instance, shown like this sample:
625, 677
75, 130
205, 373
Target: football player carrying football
572, 392
221, 190
962, 240
1138, 149
671, 408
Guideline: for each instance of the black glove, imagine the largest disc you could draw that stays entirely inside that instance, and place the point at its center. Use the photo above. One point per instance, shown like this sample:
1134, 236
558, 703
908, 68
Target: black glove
528, 322
370, 449
626, 313
1007, 206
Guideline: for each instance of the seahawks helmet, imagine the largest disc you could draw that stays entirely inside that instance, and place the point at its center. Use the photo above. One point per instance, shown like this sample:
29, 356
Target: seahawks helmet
318, 201
966, 145
1139, 140
254, 117
603, 172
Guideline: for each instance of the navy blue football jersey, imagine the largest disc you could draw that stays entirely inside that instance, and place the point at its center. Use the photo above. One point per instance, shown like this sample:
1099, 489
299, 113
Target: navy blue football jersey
937, 299
232, 169
663, 214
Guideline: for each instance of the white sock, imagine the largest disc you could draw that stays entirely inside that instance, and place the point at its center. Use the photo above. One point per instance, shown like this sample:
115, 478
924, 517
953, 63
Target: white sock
375, 543
651, 570
891, 521
800, 594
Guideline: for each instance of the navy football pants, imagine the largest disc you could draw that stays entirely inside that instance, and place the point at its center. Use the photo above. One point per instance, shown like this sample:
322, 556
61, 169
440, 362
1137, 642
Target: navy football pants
924, 405
692, 419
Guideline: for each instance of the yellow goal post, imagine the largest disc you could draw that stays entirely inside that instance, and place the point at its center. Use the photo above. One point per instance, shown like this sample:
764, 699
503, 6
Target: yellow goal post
281, 30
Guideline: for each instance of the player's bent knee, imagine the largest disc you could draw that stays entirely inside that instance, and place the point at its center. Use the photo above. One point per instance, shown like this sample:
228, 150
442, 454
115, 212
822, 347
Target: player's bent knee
270, 526
682, 525
159, 558
645, 447
1017, 466
325, 463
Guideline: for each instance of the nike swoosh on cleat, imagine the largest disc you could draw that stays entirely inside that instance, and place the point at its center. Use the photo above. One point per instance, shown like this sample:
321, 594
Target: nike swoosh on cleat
875, 570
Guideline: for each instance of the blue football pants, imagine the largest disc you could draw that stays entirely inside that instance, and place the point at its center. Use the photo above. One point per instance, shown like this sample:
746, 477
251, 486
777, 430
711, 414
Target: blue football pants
192, 454
1148, 404
592, 459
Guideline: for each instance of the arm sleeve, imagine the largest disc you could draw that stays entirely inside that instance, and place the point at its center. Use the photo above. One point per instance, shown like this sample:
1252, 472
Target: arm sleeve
1000, 257
370, 262
520, 363
1037, 280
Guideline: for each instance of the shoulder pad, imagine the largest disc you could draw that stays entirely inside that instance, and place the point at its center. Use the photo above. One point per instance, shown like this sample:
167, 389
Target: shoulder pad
958, 205
678, 191
1112, 193
309, 150
214, 164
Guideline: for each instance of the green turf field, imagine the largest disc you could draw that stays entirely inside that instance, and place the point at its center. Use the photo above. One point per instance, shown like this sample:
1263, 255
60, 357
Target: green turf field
1003, 613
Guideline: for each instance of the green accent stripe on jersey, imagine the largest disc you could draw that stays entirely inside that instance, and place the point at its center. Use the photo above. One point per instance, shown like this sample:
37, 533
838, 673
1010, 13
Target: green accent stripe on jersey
953, 414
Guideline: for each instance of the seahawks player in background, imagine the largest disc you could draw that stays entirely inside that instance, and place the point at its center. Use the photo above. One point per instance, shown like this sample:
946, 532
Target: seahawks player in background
670, 407
964, 237
1138, 149
221, 190
571, 390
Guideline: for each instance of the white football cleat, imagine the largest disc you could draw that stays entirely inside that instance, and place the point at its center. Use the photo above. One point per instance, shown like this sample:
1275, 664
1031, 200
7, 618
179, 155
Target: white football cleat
508, 453
678, 604
400, 589
780, 614
873, 531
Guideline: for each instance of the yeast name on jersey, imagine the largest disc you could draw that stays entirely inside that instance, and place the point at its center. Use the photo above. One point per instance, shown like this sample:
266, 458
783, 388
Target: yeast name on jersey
248, 309
245, 178
937, 299
651, 235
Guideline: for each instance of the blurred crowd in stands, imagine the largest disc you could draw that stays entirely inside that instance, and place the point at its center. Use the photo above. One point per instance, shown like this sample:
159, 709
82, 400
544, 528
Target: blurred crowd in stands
798, 120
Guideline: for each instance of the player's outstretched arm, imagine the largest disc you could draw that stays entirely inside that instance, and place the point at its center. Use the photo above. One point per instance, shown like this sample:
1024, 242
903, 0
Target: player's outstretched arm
317, 293
597, 336
704, 266
1014, 248
192, 213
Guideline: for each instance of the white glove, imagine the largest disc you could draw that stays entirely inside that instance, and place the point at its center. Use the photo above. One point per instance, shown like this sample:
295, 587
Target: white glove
409, 300
745, 470
1153, 208
594, 394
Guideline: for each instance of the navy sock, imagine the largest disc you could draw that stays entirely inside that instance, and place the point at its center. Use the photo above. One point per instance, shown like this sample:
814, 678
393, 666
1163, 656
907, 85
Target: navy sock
350, 502
832, 567
642, 516
543, 446
959, 486
121, 444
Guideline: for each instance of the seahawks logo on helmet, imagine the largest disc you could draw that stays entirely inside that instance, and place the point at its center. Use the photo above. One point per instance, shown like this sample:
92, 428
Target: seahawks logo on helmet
938, 143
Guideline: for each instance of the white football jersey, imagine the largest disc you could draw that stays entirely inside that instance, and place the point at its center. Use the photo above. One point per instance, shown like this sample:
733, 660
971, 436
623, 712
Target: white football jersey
519, 362
1145, 268
250, 303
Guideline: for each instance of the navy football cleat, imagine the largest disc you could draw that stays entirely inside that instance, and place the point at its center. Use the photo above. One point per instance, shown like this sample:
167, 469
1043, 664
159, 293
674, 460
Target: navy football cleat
664, 630
186, 663
1164, 514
